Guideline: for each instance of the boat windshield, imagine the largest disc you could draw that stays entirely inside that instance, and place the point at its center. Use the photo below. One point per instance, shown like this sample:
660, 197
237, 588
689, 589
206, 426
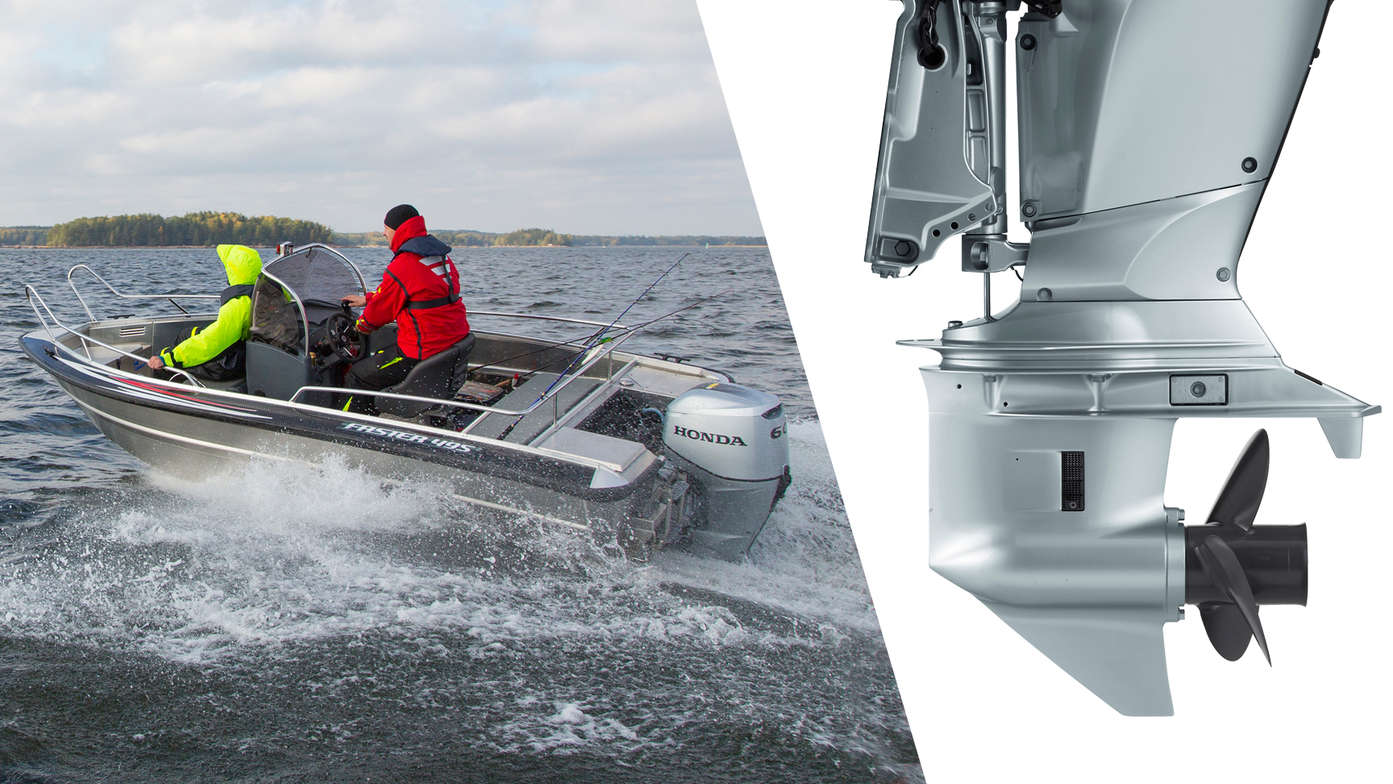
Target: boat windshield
316, 273
315, 276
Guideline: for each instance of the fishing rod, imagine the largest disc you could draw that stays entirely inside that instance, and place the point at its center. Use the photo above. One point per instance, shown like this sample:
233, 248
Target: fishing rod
576, 341
688, 306
598, 338
592, 335
627, 331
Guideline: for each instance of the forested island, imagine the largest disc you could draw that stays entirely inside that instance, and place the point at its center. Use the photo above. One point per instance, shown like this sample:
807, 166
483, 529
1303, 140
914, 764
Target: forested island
195, 228
201, 229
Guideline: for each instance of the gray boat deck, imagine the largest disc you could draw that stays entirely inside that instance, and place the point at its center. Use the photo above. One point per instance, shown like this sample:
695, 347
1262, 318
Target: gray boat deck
532, 425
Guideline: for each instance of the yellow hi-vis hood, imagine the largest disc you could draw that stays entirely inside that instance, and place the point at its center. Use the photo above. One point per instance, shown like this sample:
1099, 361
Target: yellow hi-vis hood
243, 264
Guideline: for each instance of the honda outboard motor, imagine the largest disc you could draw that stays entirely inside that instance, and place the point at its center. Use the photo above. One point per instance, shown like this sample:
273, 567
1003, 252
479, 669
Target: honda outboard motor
731, 441
1050, 423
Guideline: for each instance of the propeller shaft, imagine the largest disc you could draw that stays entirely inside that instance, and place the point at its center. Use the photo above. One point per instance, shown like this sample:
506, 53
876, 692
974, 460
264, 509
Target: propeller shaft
1273, 558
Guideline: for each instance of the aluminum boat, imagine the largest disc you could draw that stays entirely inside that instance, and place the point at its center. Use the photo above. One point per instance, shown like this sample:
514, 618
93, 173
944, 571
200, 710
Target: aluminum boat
645, 451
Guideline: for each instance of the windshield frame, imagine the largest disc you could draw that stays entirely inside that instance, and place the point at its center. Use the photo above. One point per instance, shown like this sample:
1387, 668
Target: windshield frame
295, 295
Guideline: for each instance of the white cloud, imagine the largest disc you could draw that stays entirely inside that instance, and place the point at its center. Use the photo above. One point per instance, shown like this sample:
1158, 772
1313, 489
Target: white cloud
602, 31
595, 116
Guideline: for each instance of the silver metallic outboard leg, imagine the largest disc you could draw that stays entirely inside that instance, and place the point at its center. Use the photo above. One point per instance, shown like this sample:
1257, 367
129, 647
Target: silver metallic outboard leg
1147, 138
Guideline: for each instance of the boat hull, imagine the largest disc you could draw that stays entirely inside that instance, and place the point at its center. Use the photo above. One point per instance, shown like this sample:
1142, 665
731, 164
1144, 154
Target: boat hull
191, 431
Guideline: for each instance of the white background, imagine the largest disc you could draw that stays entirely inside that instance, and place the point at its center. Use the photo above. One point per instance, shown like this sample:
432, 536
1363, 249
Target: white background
805, 86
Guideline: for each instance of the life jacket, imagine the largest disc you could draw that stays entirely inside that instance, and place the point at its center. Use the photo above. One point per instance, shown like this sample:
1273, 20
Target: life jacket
431, 253
420, 291
233, 292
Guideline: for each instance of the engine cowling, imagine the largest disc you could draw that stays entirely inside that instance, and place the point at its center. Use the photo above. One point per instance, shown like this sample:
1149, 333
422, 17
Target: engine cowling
733, 442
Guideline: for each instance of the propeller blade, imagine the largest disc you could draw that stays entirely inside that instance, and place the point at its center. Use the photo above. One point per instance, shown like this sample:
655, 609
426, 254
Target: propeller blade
1225, 571
1228, 632
1238, 502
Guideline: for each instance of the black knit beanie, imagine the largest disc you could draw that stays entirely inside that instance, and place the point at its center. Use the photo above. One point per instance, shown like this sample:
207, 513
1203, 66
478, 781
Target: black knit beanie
398, 215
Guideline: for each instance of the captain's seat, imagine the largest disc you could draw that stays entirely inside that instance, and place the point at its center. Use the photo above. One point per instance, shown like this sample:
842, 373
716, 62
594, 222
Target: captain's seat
439, 377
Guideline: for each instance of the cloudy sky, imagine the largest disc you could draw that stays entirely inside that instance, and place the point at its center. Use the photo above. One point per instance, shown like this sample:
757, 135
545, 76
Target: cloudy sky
587, 116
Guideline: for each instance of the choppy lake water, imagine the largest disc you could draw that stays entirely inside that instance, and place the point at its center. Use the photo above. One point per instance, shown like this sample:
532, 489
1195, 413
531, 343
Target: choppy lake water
316, 625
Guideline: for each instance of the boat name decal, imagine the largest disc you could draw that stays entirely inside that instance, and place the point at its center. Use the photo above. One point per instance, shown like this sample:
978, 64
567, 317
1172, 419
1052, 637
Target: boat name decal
413, 438
712, 438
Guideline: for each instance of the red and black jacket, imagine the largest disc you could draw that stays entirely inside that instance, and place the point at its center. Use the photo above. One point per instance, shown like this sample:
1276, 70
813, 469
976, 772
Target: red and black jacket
419, 291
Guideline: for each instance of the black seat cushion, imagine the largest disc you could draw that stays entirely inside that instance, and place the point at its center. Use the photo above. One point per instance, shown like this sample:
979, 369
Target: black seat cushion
438, 377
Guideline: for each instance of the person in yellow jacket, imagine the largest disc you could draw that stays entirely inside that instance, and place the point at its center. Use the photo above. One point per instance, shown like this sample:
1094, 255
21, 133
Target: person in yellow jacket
218, 351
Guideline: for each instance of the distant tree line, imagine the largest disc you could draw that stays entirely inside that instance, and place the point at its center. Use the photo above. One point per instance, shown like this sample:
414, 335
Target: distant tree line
676, 239
468, 238
24, 235
195, 228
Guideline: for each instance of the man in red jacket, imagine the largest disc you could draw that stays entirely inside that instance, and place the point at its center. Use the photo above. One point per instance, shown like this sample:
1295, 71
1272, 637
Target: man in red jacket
420, 292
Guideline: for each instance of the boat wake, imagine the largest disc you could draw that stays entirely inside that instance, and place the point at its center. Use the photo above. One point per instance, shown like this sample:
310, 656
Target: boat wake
325, 587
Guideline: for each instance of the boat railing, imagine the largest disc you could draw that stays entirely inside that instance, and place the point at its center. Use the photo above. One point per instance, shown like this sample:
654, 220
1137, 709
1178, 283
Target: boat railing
551, 395
539, 317
499, 314
48, 320
172, 297
176, 296
36, 301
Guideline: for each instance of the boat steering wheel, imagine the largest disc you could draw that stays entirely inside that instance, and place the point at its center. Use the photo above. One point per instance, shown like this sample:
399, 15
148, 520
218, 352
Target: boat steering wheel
347, 344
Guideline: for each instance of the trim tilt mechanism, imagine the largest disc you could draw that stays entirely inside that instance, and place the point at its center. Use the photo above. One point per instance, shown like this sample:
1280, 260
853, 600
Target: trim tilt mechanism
1050, 423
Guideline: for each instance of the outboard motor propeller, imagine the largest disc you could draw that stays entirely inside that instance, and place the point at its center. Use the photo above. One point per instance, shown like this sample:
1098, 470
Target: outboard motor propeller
1232, 566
